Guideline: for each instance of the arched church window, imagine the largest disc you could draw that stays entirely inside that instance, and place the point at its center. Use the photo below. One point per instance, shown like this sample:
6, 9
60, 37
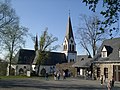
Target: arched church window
64, 47
72, 47
21, 71
73, 60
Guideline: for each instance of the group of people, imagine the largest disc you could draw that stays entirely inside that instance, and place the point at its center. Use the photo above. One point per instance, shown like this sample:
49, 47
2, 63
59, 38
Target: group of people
58, 74
110, 83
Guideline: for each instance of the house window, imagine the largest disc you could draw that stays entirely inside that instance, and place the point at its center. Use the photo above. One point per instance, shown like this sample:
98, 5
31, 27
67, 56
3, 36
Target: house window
104, 53
98, 72
106, 72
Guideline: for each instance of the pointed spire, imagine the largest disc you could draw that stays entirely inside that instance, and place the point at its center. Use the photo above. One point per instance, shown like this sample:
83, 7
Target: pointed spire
69, 32
36, 43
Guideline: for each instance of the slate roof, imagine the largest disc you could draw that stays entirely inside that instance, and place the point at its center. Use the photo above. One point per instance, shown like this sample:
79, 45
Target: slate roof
55, 58
25, 56
83, 61
113, 47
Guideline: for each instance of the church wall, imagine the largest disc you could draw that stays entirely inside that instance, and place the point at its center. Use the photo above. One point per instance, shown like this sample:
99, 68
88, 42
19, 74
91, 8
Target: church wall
72, 56
12, 66
49, 69
23, 67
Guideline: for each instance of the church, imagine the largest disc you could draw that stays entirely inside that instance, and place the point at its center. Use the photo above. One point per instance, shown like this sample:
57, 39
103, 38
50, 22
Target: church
106, 62
26, 59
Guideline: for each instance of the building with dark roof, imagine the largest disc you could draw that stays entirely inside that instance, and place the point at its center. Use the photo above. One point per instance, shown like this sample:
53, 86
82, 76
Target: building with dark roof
107, 60
27, 59
83, 65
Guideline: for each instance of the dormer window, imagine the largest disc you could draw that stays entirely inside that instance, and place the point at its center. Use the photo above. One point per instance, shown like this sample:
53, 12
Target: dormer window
104, 52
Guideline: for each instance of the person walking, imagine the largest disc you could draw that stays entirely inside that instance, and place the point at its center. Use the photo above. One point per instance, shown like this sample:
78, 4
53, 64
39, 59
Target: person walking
58, 75
101, 79
64, 75
112, 82
55, 75
46, 76
109, 85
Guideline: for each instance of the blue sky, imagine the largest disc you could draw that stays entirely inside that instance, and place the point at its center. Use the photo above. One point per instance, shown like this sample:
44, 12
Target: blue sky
39, 14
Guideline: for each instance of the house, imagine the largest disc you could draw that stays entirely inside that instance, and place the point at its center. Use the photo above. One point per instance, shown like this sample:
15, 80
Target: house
107, 60
83, 66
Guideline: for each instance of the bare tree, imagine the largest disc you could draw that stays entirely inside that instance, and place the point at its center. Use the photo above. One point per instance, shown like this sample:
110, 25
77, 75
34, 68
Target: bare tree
88, 34
11, 33
7, 14
13, 40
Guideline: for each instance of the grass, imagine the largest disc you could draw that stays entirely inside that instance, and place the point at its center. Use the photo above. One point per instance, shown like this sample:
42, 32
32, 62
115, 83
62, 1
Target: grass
12, 77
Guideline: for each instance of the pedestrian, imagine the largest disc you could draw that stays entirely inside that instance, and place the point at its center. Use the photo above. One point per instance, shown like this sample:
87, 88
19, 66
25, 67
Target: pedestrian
64, 75
55, 75
101, 79
109, 85
112, 82
104, 78
46, 76
58, 75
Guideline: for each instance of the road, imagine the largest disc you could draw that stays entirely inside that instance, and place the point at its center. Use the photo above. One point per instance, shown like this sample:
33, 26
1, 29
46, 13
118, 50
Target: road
41, 84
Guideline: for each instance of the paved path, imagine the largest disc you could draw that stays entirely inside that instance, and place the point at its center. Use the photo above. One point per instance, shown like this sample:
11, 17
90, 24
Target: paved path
41, 84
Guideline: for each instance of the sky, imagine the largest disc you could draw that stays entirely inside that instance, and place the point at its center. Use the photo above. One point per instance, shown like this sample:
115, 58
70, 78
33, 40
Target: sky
36, 15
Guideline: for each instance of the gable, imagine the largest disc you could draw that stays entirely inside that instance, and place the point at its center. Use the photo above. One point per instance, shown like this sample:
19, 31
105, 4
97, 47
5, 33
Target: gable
104, 49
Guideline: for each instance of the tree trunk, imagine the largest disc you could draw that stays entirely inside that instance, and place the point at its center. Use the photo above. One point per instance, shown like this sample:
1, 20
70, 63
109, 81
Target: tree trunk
38, 70
10, 65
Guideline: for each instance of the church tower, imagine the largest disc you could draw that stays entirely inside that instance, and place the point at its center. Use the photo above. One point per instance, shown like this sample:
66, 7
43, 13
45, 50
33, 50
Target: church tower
36, 49
36, 43
69, 45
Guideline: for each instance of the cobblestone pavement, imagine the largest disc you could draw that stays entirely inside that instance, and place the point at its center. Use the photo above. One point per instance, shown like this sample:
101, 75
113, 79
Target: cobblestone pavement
41, 84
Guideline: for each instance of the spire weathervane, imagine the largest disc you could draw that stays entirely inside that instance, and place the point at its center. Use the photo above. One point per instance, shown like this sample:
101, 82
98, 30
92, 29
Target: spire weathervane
69, 12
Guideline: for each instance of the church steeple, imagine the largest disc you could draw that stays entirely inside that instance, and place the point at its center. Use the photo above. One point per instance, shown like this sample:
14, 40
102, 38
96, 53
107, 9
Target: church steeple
36, 43
69, 32
69, 45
